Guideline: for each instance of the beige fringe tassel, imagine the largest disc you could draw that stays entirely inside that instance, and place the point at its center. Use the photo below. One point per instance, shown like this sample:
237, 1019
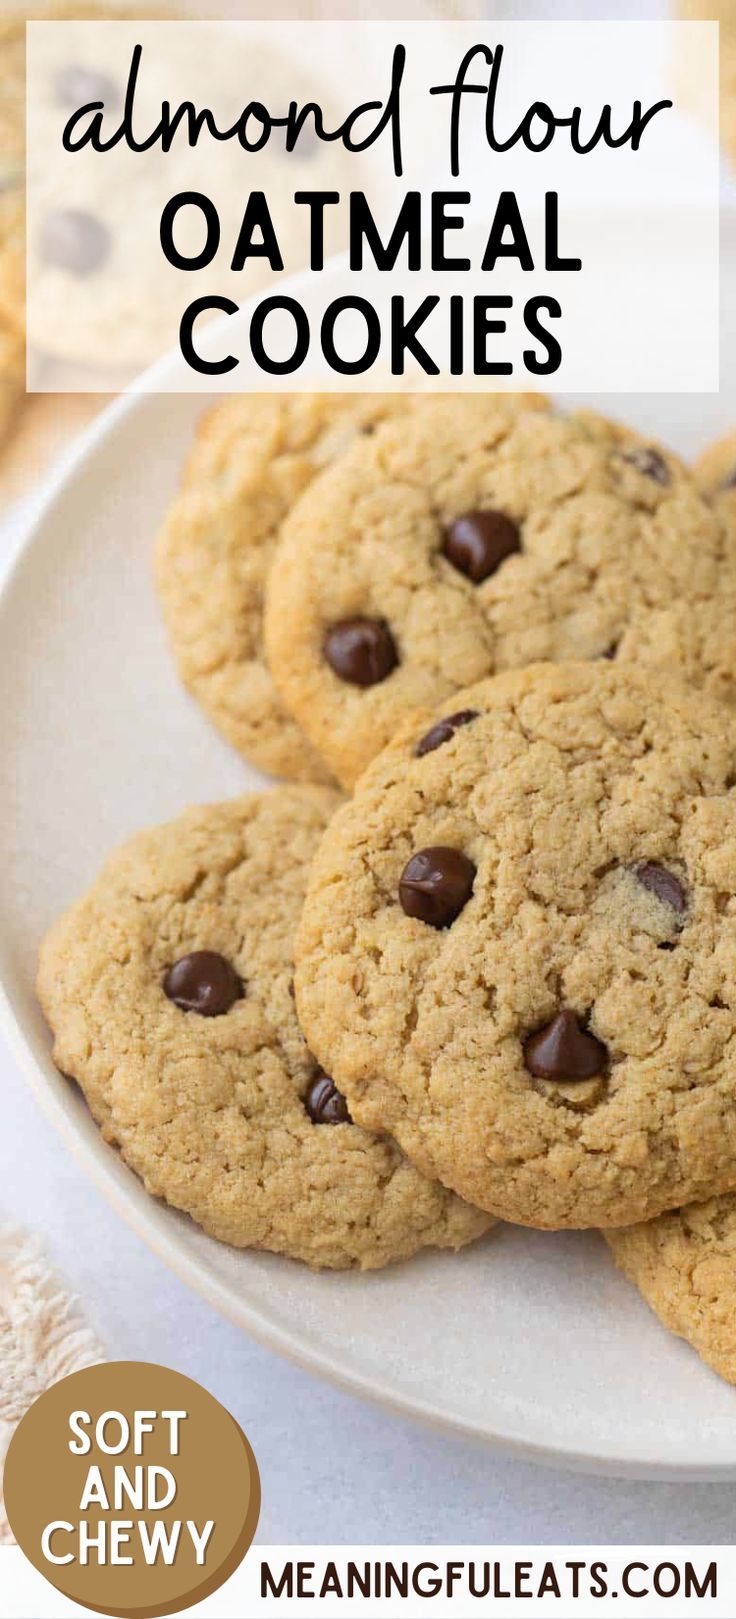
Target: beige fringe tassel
43, 1335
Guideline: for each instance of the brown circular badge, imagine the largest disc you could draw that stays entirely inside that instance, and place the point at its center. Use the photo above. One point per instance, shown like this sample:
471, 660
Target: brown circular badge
131, 1489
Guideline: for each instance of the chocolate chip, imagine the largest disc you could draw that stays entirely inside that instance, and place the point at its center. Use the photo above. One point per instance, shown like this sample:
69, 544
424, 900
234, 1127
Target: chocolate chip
77, 86
443, 730
650, 464
476, 543
361, 651
324, 1103
203, 982
74, 240
564, 1051
663, 884
436, 884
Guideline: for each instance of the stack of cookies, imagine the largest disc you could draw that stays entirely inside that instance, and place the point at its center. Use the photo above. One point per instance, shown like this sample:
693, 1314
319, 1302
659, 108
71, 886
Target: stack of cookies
499, 980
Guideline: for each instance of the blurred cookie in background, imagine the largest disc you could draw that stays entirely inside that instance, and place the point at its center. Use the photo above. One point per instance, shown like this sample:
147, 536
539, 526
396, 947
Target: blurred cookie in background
715, 470
12, 221
12, 328
13, 200
724, 13
12, 96
102, 293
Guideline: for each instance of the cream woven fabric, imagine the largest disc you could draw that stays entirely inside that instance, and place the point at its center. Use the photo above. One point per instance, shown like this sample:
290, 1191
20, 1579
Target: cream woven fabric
43, 1335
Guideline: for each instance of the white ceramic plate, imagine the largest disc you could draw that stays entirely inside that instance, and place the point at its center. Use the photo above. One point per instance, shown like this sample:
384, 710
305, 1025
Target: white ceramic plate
529, 1340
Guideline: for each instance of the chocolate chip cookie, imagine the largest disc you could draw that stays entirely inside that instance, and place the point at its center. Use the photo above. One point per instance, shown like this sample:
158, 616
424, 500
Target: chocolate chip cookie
104, 293
684, 1264
470, 539
169, 991
13, 186
715, 471
252, 458
518, 947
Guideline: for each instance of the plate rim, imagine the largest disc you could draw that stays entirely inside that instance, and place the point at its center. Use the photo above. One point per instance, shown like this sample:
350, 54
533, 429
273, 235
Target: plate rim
138, 1210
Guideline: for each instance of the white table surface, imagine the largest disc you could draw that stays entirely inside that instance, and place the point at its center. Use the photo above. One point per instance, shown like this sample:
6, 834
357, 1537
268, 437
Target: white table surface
333, 1469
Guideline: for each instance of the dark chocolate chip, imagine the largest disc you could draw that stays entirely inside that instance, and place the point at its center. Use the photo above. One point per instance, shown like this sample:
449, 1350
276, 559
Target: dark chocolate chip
78, 86
361, 651
74, 240
663, 884
324, 1102
203, 982
436, 884
650, 464
562, 1050
443, 730
476, 543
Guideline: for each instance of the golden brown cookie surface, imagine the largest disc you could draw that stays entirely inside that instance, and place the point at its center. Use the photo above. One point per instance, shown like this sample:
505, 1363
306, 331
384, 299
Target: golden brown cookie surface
169, 990
518, 946
715, 469
252, 459
684, 1264
469, 539
724, 13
